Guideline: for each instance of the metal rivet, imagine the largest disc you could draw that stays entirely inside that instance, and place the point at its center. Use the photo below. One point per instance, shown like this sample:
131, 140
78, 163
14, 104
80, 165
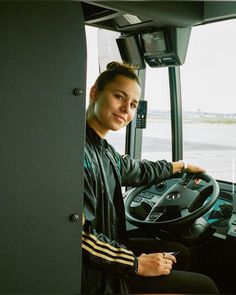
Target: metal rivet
74, 217
77, 91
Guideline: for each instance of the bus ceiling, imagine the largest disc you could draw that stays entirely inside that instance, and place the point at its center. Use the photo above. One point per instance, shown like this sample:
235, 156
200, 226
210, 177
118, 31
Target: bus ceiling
155, 31
134, 16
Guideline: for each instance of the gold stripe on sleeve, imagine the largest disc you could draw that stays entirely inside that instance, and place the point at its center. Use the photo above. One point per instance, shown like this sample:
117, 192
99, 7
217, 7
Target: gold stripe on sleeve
96, 240
106, 251
83, 219
106, 257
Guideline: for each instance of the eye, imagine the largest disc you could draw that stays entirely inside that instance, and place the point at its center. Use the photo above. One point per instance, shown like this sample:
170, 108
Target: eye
133, 105
119, 96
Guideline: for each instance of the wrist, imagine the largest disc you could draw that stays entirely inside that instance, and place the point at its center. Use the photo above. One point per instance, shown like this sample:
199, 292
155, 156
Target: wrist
184, 166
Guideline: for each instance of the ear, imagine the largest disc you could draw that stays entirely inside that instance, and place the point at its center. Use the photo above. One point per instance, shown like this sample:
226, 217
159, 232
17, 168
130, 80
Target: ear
93, 93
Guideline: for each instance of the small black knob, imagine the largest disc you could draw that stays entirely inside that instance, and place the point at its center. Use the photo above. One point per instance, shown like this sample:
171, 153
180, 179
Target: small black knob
74, 217
77, 91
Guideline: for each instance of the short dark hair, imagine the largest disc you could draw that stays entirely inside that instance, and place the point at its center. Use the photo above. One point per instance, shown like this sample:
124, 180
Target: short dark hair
113, 70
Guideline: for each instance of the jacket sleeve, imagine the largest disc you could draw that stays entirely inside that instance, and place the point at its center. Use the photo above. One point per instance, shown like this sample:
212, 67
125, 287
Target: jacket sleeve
141, 172
101, 253
97, 249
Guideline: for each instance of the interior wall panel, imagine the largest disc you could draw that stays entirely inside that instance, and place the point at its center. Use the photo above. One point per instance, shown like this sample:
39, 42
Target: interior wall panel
42, 61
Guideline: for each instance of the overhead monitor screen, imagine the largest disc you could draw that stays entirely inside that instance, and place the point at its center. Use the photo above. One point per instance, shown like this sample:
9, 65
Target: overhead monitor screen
154, 43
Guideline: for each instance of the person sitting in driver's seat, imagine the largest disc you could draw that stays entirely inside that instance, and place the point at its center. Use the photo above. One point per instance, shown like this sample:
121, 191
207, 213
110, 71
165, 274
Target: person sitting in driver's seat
112, 262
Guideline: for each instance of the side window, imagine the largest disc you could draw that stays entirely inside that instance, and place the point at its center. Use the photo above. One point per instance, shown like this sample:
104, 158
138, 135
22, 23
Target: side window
208, 95
157, 135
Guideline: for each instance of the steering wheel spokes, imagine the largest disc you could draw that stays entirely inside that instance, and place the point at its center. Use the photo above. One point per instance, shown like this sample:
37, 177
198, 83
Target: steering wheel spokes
153, 216
182, 203
184, 212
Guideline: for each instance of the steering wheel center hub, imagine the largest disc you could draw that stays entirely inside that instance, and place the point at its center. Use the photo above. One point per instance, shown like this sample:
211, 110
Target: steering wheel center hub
173, 196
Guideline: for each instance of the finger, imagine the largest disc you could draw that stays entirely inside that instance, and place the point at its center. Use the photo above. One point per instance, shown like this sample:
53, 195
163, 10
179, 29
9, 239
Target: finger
197, 181
170, 257
167, 267
168, 262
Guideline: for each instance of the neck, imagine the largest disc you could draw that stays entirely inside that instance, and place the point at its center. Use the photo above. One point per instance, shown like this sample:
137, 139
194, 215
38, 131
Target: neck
96, 127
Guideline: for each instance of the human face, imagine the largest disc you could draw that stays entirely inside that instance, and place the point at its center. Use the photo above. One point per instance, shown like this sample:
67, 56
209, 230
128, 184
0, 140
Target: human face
115, 105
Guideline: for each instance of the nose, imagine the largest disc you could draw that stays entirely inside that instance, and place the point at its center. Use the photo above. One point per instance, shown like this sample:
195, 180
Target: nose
125, 107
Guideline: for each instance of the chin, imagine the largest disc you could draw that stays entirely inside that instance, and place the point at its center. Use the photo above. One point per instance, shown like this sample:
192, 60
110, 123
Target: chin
116, 128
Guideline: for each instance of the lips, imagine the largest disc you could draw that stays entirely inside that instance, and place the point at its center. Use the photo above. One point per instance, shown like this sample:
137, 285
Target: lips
120, 118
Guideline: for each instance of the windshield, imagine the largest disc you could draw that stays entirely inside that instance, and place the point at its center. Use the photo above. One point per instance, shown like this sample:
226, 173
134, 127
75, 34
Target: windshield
208, 101
208, 96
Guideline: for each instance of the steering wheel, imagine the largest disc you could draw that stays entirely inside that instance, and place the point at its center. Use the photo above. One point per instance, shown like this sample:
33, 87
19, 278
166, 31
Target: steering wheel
180, 205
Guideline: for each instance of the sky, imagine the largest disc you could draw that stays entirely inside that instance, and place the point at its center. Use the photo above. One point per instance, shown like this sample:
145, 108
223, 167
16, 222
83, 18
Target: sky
207, 76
